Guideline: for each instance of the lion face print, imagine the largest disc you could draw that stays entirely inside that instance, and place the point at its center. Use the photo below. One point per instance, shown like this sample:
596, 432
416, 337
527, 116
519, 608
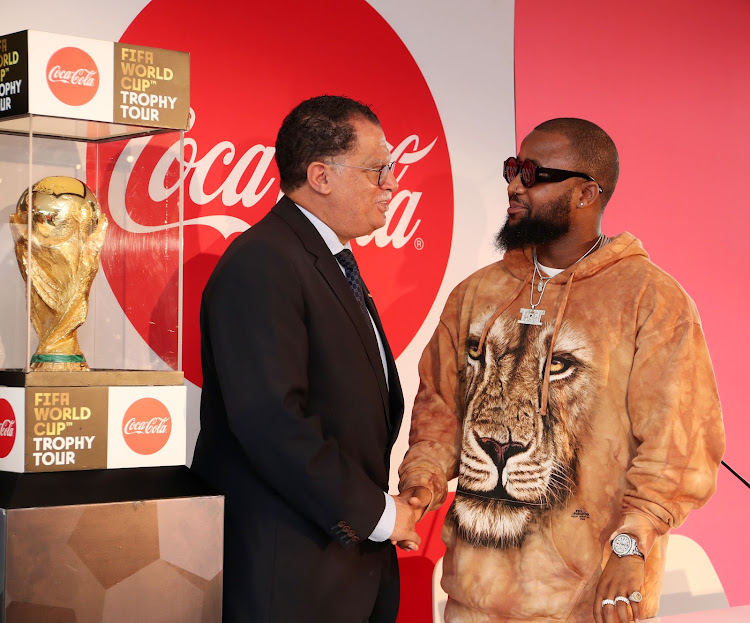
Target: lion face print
517, 464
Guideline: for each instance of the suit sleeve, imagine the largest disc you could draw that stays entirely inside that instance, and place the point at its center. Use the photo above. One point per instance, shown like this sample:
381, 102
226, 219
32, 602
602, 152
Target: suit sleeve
676, 419
437, 421
255, 317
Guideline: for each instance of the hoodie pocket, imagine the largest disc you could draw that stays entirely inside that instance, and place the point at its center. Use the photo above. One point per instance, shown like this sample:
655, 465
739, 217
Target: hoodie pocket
526, 582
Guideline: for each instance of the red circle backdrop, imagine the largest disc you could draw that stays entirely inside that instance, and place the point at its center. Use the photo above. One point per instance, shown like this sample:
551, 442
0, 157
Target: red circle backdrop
250, 65
8, 423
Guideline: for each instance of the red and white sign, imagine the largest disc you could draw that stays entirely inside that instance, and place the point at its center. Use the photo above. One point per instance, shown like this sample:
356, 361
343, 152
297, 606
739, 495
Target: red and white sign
72, 76
12, 429
231, 177
146, 426
7, 428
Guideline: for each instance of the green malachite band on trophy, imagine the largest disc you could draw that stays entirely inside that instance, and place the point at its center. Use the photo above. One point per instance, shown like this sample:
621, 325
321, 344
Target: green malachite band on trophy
58, 359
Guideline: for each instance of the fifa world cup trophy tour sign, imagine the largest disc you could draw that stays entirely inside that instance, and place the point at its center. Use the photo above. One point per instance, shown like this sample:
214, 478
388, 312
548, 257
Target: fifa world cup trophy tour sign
59, 414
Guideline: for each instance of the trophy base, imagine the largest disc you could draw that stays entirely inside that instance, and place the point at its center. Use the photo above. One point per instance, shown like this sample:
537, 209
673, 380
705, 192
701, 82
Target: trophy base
60, 366
77, 421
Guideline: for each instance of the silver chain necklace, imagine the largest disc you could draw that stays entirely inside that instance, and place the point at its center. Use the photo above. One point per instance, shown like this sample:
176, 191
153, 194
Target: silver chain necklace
534, 315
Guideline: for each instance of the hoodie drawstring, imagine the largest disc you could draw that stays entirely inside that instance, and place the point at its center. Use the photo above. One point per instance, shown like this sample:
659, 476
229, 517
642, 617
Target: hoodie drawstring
547, 366
558, 322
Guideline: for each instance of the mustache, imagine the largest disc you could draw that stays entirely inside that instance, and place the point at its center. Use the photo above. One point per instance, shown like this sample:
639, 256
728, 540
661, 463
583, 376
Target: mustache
517, 199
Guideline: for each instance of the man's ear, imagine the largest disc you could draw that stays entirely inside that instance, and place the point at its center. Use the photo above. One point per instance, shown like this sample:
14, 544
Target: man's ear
589, 194
319, 177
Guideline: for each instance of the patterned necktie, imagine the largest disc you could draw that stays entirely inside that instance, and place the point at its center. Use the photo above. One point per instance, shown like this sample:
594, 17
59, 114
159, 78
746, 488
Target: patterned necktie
346, 259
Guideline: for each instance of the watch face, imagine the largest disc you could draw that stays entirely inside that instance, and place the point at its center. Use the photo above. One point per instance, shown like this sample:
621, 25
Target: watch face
621, 544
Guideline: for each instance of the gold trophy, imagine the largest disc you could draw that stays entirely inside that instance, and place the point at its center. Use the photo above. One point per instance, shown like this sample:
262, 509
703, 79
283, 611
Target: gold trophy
67, 233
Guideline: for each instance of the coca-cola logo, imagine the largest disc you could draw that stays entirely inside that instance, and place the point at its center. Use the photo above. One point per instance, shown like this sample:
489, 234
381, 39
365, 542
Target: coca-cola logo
231, 180
72, 76
146, 426
7, 428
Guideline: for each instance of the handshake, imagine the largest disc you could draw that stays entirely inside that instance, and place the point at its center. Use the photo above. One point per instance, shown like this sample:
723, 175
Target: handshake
411, 505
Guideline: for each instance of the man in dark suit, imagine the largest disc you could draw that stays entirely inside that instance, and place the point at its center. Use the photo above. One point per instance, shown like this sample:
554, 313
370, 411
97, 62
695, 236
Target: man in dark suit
301, 398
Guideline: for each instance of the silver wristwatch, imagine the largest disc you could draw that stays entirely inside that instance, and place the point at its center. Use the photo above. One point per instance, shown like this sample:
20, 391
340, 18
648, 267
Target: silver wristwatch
625, 545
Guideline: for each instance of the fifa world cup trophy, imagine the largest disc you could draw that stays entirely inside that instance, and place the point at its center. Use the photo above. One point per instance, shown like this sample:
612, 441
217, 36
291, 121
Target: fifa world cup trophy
67, 233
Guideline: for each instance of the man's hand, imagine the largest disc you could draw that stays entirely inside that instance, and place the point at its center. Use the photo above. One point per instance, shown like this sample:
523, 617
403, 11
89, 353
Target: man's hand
418, 499
621, 576
406, 517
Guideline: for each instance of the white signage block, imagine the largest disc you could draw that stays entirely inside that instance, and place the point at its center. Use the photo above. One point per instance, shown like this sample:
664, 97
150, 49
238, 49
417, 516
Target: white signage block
146, 427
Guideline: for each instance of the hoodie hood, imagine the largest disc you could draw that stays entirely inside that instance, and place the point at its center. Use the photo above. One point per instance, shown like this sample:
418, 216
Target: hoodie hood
520, 261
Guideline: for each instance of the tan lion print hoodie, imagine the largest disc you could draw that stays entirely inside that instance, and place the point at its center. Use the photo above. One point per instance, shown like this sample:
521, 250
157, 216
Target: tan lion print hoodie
602, 418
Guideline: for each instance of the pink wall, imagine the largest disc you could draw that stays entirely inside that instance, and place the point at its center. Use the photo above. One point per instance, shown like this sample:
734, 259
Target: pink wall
669, 81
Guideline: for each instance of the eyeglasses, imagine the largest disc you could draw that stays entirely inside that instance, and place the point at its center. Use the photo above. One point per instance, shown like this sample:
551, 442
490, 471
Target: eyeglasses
531, 174
382, 171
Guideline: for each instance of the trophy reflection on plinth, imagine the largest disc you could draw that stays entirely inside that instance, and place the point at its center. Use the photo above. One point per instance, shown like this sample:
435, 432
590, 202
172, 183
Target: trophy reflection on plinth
67, 233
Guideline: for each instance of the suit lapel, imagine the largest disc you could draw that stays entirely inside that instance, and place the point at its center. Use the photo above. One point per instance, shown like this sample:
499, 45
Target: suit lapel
330, 269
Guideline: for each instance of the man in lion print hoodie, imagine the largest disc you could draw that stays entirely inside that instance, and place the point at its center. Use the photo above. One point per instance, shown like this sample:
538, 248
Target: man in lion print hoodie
569, 388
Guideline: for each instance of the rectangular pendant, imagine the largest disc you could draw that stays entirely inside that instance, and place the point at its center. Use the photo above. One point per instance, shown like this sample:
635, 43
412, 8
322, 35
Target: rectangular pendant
531, 316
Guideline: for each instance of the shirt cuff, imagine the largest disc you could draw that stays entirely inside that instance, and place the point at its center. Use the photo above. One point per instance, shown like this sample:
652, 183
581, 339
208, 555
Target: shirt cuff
387, 523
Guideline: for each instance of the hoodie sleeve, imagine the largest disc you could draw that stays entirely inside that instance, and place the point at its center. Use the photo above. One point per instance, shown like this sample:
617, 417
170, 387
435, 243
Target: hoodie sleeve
436, 429
676, 420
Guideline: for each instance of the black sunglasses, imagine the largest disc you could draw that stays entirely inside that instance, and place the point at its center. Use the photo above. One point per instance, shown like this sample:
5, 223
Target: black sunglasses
531, 174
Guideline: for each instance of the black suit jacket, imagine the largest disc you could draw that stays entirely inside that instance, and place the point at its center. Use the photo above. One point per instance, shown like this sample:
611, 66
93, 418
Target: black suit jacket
297, 426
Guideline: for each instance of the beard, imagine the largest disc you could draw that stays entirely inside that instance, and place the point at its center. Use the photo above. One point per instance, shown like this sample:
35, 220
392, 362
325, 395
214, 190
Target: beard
551, 222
